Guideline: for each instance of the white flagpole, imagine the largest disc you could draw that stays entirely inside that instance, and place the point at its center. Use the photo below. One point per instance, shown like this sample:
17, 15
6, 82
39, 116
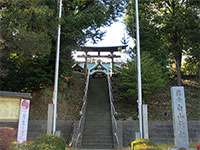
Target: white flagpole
55, 92
139, 70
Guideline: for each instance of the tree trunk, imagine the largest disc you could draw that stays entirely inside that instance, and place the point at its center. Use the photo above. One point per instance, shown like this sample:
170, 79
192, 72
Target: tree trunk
178, 59
198, 72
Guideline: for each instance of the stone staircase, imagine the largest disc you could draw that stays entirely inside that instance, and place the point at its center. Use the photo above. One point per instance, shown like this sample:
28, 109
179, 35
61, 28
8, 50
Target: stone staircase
97, 133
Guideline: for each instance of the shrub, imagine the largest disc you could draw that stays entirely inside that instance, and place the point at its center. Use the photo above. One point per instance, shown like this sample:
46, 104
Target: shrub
23, 146
49, 142
143, 144
45, 142
7, 135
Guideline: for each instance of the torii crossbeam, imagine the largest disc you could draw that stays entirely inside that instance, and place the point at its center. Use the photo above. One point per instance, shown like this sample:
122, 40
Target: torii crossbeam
110, 49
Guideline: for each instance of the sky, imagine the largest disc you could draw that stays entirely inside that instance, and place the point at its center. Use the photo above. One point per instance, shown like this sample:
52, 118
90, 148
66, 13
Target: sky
112, 37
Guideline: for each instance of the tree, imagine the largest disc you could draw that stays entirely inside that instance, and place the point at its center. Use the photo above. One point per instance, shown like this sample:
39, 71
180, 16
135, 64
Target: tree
151, 39
153, 78
29, 31
166, 28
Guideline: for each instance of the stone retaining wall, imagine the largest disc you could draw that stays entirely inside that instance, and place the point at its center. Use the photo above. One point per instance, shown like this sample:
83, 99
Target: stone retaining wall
39, 127
159, 131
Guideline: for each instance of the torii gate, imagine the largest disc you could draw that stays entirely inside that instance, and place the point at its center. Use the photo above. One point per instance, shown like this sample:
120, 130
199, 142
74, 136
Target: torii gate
110, 49
55, 93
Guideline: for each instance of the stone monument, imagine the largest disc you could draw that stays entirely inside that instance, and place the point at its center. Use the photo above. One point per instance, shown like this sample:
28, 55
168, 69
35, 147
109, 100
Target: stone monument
179, 118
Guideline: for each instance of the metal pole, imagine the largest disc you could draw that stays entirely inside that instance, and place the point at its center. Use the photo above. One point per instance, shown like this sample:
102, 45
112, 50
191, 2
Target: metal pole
55, 92
139, 69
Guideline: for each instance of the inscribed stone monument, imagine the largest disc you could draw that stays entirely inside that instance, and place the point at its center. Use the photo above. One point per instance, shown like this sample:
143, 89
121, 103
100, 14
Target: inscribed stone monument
179, 118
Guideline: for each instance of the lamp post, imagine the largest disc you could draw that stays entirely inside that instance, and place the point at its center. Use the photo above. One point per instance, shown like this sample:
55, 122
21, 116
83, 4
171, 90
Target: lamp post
139, 80
55, 91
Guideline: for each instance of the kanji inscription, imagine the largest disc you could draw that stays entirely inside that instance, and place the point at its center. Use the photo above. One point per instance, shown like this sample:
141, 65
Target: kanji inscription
179, 117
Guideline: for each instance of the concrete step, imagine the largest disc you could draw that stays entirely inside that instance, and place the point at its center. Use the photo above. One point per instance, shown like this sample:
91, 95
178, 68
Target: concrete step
97, 134
101, 138
98, 113
98, 124
98, 145
98, 127
90, 141
96, 130
94, 118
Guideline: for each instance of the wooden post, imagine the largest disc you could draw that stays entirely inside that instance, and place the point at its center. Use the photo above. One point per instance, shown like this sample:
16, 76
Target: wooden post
50, 119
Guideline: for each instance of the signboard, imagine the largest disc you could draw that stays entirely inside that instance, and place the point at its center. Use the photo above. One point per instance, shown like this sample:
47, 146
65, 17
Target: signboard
179, 118
9, 108
23, 120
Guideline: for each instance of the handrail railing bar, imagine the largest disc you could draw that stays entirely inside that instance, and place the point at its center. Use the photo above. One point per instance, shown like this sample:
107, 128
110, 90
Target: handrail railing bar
115, 122
82, 114
76, 144
113, 113
117, 139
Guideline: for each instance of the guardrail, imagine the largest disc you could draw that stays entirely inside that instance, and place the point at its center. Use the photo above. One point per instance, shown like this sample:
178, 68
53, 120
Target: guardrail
113, 114
77, 134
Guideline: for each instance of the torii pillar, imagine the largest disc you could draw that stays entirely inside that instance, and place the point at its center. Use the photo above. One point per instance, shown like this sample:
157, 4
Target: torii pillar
86, 63
112, 61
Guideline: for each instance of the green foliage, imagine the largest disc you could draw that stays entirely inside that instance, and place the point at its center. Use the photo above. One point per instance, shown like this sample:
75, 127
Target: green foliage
23, 146
45, 142
151, 37
26, 75
29, 32
28, 29
49, 142
143, 144
168, 29
153, 78
191, 67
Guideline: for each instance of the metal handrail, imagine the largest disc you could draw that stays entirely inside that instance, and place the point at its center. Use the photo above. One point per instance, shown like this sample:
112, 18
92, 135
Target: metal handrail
113, 113
77, 135
117, 139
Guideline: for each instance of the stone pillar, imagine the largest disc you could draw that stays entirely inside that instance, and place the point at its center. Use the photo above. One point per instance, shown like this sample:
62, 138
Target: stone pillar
145, 121
179, 118
50, 119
